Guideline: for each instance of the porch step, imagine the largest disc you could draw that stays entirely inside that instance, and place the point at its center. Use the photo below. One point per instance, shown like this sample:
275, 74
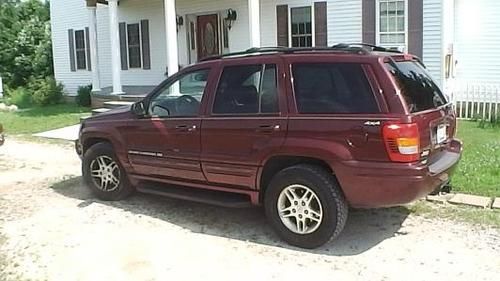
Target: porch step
115, 104
99, 110
217, 198
131, 97
83, 118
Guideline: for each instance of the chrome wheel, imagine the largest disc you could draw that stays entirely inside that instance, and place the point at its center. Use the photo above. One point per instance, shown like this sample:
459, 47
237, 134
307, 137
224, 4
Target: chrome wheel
299, 209
105, 173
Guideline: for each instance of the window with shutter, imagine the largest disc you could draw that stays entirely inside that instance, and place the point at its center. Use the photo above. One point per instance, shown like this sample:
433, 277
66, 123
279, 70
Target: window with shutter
81, 52
134, 45
392, 24
301, 27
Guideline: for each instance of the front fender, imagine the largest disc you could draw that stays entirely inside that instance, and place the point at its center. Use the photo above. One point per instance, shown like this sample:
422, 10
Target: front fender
110, 134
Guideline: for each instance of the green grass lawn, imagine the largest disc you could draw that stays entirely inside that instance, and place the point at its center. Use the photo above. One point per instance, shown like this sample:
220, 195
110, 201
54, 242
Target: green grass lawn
39, 119
479, 169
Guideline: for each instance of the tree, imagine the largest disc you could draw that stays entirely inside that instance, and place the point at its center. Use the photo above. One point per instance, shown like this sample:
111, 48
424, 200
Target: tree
25, 42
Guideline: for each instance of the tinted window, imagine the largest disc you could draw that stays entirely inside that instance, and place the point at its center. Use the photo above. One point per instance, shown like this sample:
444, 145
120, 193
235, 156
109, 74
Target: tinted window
182, 97
247, 89
332, 88
416, 84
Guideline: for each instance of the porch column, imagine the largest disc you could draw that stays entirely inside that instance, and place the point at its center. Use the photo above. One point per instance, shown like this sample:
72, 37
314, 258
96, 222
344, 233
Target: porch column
96, 83
171, 32
254, 22
115, 46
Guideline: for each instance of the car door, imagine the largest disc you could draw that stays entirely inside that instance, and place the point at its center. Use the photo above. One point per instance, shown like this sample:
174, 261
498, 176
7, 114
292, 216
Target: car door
166, 142
336, 106
245, 121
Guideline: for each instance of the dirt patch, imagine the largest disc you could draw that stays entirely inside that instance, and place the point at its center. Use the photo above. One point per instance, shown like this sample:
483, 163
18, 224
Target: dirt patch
52, 228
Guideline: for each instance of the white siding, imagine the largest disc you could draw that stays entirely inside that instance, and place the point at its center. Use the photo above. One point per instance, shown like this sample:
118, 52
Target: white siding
344, 21
67, 15
133, 11
477, 41
432, 38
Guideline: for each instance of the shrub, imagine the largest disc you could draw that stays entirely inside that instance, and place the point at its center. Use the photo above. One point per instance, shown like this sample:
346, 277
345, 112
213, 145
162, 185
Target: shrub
46, 91
83, 96
20, 97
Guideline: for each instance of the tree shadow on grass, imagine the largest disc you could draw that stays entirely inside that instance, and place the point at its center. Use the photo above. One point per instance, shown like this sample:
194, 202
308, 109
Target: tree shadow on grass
364, 230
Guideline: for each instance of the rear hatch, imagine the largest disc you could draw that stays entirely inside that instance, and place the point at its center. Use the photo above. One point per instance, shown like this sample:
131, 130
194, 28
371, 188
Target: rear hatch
428, 107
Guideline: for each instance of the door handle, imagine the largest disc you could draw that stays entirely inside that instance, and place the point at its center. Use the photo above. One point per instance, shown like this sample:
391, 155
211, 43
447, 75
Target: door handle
186, 128
268, 128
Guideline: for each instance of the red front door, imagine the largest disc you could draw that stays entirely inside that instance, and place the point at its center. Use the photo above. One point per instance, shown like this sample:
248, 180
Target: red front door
207, 36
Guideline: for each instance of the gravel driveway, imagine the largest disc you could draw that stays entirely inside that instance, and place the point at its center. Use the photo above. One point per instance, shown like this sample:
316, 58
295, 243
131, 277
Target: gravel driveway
51, 228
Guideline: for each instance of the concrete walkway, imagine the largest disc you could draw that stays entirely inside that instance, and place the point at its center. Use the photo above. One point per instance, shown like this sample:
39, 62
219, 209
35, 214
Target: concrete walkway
67, 133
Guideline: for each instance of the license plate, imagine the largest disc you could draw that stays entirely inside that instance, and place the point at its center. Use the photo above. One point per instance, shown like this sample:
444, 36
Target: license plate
441, 135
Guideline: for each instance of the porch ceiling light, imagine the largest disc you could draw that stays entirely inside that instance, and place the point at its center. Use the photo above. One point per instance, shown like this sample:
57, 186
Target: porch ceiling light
180, 21
230, 18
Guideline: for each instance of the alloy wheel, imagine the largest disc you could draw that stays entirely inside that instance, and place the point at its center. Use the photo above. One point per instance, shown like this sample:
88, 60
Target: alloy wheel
300, 209
105, 173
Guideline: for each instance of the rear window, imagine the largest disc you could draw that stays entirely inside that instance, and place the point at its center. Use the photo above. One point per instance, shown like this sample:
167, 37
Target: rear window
417, 87
332, 88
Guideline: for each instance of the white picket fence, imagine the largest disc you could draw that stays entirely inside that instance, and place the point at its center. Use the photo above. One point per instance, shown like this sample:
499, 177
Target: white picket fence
476, 101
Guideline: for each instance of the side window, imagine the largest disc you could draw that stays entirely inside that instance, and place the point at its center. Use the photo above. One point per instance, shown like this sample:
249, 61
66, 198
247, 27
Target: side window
247, 89
332, 88
182, 97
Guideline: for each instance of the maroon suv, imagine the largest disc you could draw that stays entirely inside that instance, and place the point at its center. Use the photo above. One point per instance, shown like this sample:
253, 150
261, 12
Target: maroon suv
307, 133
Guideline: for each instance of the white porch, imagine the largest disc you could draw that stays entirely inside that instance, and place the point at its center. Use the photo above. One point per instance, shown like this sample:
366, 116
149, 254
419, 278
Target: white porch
172, 39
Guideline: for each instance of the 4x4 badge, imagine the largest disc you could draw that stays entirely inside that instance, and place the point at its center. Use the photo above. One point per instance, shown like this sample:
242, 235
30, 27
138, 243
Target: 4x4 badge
372, 123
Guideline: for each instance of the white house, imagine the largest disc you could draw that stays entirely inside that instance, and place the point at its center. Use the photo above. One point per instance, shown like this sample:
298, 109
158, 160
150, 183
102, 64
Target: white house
127, 46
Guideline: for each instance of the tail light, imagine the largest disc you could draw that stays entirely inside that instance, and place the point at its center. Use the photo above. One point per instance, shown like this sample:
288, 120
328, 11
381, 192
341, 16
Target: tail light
402, 142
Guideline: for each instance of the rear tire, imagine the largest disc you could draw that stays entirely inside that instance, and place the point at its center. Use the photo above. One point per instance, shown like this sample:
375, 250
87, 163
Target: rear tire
305, 206
104, 175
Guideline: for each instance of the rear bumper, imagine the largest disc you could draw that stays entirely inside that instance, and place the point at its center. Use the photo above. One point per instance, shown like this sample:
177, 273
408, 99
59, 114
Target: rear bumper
372, 185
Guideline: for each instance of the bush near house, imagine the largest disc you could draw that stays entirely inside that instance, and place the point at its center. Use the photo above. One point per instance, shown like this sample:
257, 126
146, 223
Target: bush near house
39, 92
46, 91
83, 96
20, 97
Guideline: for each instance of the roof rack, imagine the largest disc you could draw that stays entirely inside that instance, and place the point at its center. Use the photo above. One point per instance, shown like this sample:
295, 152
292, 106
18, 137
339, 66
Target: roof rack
368, 47
356, 48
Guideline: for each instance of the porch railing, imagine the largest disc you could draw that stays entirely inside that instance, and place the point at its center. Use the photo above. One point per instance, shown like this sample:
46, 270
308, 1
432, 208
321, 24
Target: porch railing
476, 100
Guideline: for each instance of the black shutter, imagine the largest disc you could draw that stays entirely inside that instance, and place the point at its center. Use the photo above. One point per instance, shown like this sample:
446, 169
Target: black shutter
71, 44
87, 48
320, 24
368, 17
282, 21
146, 53
415, 27
123, 45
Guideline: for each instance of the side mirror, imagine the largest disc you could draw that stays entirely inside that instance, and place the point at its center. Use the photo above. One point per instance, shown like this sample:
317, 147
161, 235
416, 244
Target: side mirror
139, 108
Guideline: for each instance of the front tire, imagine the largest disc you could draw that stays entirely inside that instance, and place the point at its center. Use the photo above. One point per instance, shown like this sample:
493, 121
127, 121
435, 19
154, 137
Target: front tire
104, 175
305, 206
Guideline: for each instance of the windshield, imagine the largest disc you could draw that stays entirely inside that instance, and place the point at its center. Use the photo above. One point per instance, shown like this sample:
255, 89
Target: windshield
417, 87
